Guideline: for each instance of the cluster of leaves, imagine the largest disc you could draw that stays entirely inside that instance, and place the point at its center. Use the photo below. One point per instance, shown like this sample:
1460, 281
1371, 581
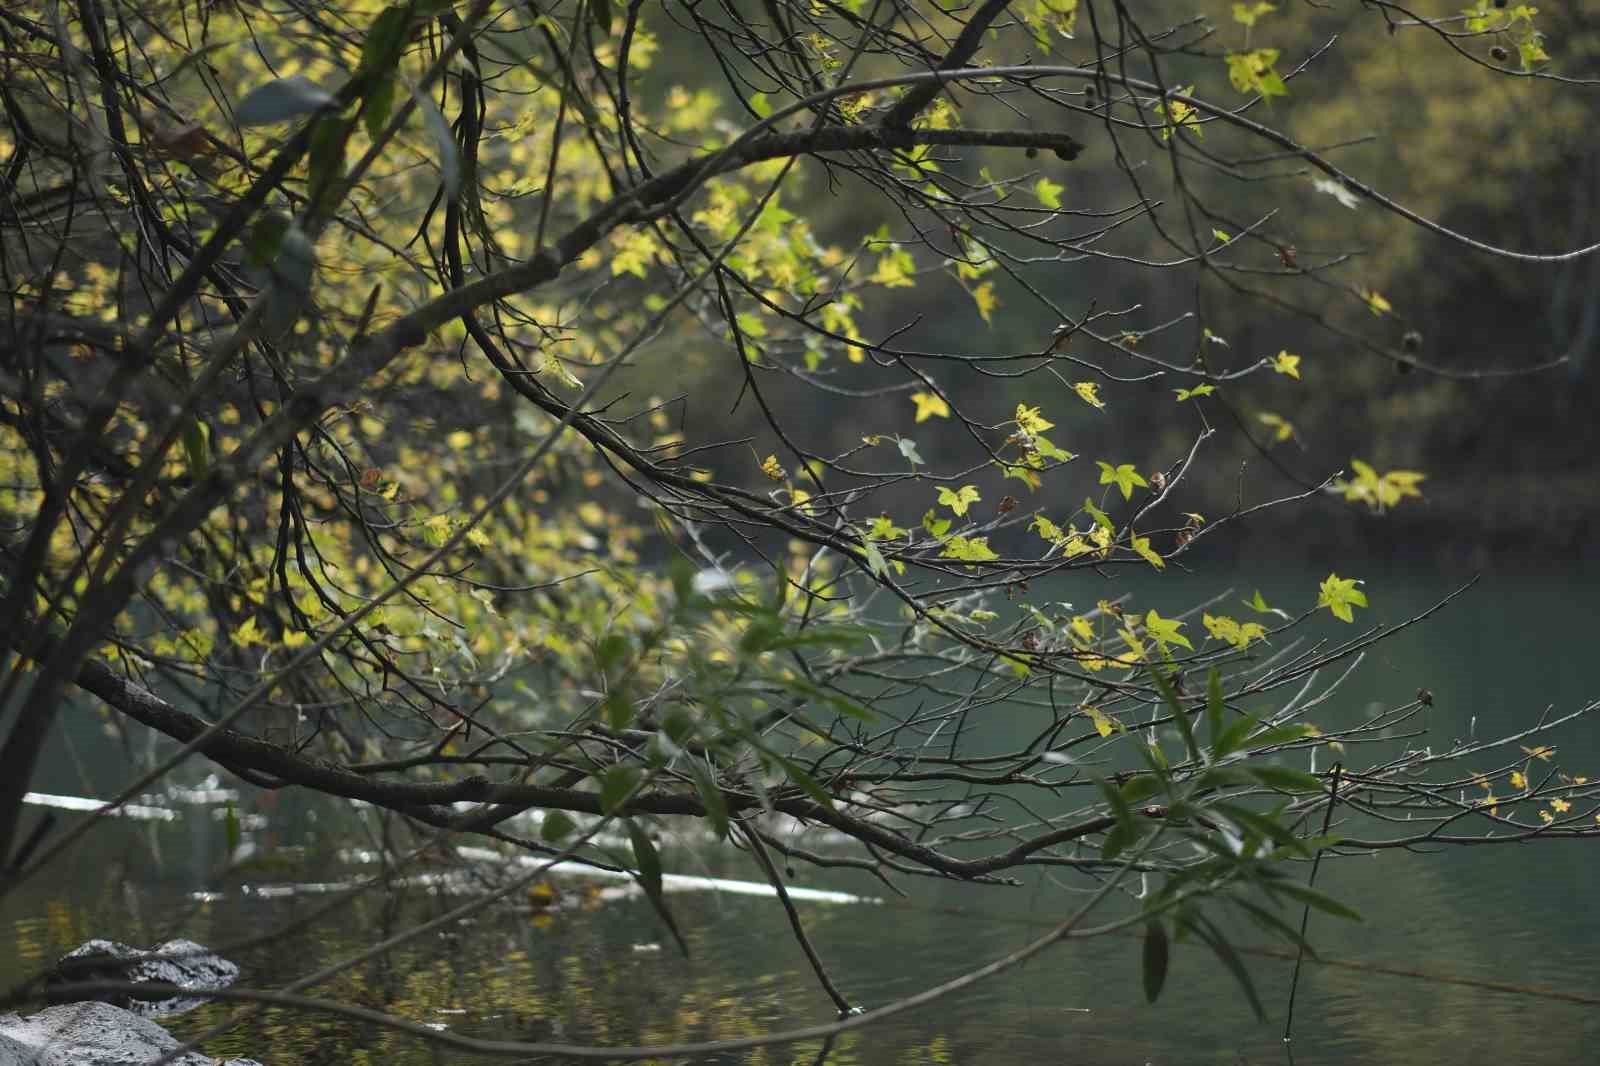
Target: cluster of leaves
359, 403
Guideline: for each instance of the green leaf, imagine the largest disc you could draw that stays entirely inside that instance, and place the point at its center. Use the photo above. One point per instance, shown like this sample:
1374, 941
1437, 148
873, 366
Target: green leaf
1281, 734
716, 804
385, 37
644, 853
266, 237
1122, 836
280, 100
1139, 788
1312, 898
444, 144
1214, 711
600, 10
807, 783
617, 784
1274, 924
325, 156
1125, 477
611, 652
376, 105
197, 449
1180, 717
1218, 943
1101, 519
230, 825
1285, 779
288, 281
620, 710
556, 826
1155, 959
1259, 605
1266, 826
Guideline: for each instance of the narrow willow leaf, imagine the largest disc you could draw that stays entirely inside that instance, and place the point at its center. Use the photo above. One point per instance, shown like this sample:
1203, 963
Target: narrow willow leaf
644, 853
197, 449
1214, 710
444, 143
281, 100
1218, 943
377, 104
1180, 717
711, 796
1155, 959
1312, 897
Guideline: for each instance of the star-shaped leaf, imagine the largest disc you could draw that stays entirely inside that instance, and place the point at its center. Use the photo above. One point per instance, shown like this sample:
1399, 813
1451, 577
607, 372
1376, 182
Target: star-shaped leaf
1339, 595
958, 500
930, 405
1164, 631
1124, 477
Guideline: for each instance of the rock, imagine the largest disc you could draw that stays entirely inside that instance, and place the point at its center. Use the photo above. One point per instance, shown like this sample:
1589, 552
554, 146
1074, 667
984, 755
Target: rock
91, 1034
177, 962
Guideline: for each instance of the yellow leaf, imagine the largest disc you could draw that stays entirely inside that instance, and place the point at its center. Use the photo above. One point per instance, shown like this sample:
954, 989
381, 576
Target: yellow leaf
1102, 722
985, 298
1519, 780
1339, 595
1282, 428
248, 633
1543, 751
1198, 390
773, 469
1142, 546
1089, 392
1030, 421
929, 405
1561, 806
960, 499
1376, 301
1164, 631
968, 550
1284, 363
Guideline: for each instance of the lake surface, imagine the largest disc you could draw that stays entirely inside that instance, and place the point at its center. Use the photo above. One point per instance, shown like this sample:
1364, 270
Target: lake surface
597, 968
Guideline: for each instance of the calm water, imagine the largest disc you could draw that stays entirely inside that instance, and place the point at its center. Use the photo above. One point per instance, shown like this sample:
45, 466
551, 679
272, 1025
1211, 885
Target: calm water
592, 971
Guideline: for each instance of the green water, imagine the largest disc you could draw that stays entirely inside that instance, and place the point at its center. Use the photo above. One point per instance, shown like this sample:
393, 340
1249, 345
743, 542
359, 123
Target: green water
1521, 915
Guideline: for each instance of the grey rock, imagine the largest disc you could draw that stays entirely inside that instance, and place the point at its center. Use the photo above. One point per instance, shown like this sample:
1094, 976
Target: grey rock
91, 1034
177, 962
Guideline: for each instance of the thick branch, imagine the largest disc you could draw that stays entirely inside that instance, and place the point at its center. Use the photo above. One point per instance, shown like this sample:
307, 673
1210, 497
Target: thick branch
966, 45
239, 752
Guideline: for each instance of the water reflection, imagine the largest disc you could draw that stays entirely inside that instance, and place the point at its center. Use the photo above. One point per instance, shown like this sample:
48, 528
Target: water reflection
587, 966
